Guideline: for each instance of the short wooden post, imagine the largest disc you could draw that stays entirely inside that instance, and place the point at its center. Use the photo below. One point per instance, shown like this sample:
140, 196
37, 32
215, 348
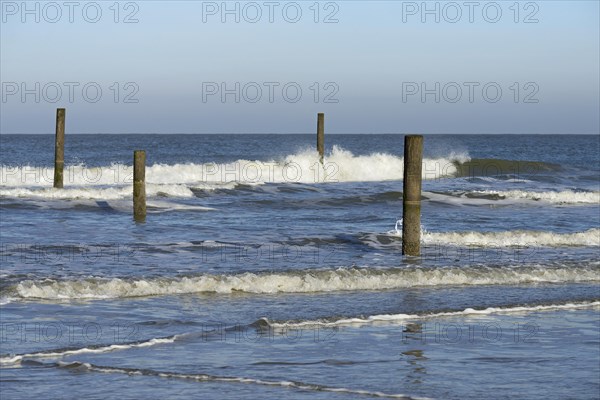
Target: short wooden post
321, 135
59, 148
139, 185
411, 208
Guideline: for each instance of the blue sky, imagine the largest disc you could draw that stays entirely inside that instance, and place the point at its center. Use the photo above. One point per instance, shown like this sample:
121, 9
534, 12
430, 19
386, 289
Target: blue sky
370, 67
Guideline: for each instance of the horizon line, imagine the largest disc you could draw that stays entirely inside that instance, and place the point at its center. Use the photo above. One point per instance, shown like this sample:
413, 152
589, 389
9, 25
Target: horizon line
299, 133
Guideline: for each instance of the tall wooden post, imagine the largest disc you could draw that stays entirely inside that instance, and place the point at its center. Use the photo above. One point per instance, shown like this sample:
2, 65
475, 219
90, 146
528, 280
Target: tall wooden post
59, 148
411, 208
321, 135
139, 185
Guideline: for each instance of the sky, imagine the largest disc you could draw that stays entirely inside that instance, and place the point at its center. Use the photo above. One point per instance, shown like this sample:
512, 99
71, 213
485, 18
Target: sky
270, 66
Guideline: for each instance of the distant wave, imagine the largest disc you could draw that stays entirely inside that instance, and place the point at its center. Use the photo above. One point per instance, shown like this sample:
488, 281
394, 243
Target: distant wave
391, 318
303, 167
306, 281
497, 167
516, 238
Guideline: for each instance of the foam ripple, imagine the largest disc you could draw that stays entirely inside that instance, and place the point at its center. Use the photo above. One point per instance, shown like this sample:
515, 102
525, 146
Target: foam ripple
79, 366
13, 359
394, 318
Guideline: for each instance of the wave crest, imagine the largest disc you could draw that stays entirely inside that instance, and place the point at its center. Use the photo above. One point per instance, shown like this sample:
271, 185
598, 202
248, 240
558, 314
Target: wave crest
563, 197
306, 281
523, 238
303, 167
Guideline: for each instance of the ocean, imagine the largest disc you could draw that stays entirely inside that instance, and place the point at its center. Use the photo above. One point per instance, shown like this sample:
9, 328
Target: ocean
261, 273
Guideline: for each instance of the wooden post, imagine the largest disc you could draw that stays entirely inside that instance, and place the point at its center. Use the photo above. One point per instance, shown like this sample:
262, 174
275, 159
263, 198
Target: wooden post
139, 185
411, 208
59, 148
321, 135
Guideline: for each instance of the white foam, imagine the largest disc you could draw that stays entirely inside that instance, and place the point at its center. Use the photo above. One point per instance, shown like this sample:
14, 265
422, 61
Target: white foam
307, 281
75, 175
391, 318
591, 237
303, 167
517, 238
338, 166
563, 197
92, 193
163, 206
97, 350
4, 300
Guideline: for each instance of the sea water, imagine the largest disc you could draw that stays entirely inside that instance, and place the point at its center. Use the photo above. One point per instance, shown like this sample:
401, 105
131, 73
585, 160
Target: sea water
261, 272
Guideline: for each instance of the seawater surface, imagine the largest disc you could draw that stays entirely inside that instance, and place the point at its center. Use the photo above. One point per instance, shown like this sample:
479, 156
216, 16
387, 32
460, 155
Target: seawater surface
261, 272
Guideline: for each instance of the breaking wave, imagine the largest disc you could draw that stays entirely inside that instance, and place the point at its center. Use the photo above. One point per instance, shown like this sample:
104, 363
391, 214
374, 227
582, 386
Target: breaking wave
306, 281
303, 167
517, 238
